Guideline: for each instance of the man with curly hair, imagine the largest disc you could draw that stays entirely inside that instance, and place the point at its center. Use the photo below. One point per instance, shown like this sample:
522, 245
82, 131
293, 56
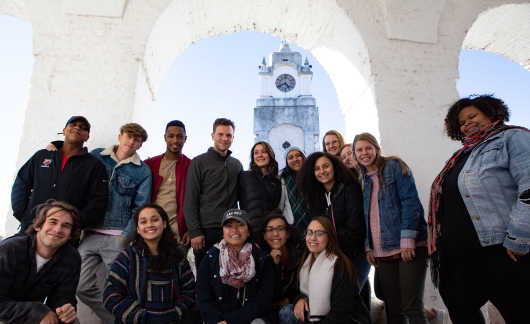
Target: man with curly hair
129, 183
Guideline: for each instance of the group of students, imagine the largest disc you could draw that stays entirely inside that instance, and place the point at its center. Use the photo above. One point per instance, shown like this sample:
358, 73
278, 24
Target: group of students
301, 244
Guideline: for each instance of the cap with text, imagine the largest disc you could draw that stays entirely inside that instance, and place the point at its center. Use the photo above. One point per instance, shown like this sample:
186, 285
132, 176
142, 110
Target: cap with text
237, 214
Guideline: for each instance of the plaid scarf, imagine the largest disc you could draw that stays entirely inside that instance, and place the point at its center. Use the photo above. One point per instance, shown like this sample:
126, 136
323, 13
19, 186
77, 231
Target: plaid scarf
236, 268
298, 205
434, 229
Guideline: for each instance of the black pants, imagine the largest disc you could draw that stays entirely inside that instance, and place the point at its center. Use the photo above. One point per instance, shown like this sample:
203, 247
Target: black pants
211, 237
380, 293
469, 278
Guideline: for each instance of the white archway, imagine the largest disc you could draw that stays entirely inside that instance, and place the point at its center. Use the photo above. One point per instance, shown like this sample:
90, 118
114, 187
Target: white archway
340, 48
503, 30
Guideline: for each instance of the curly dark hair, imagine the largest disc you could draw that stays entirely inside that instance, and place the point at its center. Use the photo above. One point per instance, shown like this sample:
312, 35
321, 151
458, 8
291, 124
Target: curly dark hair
295, 236
311, 188
492, 107
168, 249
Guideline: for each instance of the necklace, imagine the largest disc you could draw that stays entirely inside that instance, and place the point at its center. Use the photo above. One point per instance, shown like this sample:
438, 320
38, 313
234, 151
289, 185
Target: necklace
171, 171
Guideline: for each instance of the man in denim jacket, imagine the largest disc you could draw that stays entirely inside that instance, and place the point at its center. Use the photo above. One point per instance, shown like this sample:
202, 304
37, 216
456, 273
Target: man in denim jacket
129, 187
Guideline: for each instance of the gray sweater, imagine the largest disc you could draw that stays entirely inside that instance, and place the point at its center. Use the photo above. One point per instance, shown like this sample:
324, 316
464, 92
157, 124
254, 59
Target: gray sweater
211, 189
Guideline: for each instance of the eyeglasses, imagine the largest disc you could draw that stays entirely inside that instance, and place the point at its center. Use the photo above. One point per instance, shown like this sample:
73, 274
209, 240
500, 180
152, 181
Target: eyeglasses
332, 142
317, 233
279, 229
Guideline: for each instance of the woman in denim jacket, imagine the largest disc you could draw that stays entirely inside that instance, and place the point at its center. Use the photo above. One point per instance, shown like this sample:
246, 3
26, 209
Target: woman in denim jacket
479, 214
396, 229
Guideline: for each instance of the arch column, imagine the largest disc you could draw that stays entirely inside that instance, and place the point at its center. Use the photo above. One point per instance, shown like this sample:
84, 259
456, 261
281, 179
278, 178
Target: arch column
84, 65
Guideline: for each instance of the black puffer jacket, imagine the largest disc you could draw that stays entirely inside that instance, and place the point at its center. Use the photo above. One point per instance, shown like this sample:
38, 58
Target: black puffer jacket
258, 195
347, 215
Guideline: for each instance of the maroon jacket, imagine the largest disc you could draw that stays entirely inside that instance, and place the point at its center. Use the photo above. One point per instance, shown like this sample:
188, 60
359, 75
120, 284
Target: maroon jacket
181, 169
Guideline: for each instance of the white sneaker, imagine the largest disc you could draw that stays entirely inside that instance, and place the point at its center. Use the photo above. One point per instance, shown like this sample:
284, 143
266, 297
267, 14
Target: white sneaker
441, 316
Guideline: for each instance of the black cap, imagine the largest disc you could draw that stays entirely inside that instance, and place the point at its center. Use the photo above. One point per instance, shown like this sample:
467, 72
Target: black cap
74, 118
235, 213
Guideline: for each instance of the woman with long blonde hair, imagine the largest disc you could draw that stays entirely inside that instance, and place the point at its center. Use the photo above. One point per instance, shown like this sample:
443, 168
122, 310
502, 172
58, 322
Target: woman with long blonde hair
396, 239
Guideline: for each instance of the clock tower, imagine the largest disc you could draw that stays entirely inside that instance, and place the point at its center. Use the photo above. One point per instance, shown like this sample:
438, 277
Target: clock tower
286, 113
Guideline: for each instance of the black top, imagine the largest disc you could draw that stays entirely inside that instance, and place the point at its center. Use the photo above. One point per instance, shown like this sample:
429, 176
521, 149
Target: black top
82, 183
211, 189
458, 231
258, 196
347, 213
347, 306
23, 289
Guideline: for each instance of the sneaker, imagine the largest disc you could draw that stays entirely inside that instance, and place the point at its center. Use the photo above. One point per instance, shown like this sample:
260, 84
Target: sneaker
441, 316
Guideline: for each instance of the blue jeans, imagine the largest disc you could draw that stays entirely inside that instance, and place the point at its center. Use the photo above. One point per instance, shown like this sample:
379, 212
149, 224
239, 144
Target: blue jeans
286, 315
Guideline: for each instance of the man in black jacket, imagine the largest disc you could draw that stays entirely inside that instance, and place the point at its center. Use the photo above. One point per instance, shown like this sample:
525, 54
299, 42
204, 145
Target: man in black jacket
69, 174
211, 189
39, 272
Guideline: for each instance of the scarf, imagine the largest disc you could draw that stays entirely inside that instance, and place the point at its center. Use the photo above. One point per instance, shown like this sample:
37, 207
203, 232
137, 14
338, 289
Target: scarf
434, 229
315, 283
298, 205
236, 269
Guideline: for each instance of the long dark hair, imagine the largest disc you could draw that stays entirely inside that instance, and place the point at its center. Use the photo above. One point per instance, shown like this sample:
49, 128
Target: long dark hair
379, 159
311, 188
168, 250
332, 249
287, 171
273, 164
295, 236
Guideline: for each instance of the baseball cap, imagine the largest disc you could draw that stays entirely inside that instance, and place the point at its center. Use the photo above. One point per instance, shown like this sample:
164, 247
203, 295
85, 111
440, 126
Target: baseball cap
74, 118
235, 213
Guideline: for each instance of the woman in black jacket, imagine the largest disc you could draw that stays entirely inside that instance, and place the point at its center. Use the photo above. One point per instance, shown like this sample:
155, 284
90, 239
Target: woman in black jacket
235, 280
282, 241
327, 281
260, 190
331, 189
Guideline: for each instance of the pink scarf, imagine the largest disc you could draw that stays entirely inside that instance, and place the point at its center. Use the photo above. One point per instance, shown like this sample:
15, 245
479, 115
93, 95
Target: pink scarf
236, 269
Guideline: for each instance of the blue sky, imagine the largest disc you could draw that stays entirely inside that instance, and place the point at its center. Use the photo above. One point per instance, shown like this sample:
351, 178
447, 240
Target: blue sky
219, 76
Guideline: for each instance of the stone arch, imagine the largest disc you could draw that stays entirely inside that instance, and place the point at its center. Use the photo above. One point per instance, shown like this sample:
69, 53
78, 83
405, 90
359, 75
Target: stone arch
15, 8
503, 30
338, 47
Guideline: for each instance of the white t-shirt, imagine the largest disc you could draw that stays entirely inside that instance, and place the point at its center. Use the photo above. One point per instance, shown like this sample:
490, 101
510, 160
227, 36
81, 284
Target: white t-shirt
40, 261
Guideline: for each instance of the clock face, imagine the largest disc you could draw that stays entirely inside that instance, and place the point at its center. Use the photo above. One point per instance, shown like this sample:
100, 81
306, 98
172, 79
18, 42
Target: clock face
285, 83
